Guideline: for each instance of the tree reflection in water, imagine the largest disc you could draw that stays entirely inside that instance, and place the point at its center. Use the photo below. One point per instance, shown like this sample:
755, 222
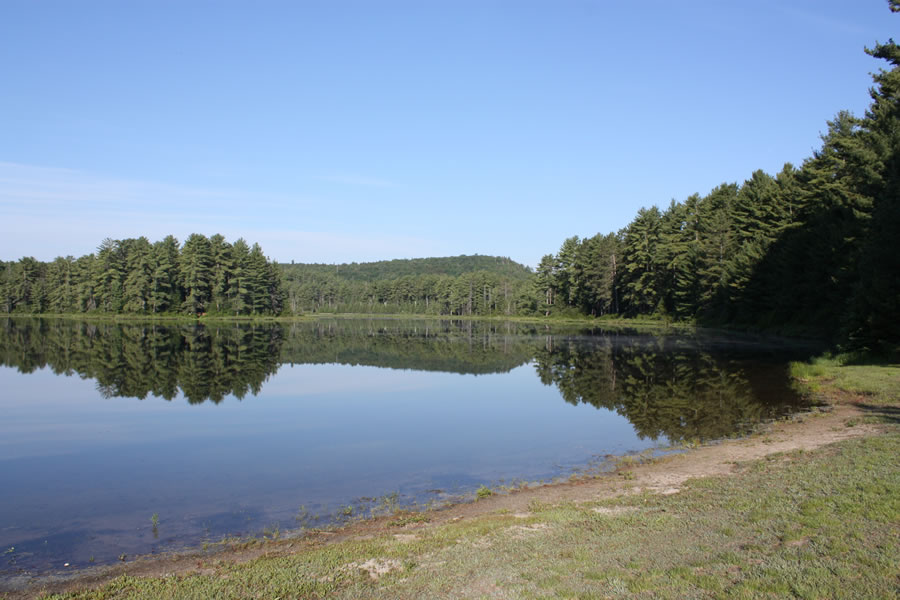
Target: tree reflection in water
680, 387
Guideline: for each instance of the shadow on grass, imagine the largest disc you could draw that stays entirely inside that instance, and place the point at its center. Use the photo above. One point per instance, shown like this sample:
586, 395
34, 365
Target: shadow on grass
865, 359
884, 414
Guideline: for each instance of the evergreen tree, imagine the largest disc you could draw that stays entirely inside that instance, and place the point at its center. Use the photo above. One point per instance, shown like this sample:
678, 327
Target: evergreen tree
256, 274
139, 278
26, 288
165, 290
758, 214
222, 269
638, 277
85, 298
872, 320
671, 254
195, 268
567, 271
716, 244
61, 285
239, 291
683, 252
6, 287
109, 272
545, 282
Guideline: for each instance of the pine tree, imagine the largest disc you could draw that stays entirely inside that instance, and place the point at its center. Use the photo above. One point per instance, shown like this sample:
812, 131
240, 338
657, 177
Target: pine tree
222, 269
255, 274
195, 268
61, 284
758, 214
85, 298
873, 315
599, 257
716, 244
567, 271
239, 293
545, 282
139, 278
638, 277
165, 291
109, 271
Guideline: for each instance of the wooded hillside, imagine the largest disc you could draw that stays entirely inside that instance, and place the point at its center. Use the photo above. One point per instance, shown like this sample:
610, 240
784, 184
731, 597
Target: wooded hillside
456, 285
453, 266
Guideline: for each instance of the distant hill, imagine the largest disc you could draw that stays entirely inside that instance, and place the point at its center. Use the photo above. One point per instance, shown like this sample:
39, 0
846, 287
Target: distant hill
386, 270
444, 286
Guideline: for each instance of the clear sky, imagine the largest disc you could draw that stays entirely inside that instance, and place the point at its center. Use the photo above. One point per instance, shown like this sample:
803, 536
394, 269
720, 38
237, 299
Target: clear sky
337, 131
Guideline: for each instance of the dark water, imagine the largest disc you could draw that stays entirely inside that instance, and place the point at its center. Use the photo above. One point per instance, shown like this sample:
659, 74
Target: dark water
236, 430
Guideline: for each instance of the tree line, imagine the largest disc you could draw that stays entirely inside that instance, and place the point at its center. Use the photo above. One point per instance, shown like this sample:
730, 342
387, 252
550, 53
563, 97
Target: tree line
812, 250
134, 276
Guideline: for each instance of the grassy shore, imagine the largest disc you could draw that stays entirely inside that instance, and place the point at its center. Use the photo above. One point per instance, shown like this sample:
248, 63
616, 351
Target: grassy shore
813, 521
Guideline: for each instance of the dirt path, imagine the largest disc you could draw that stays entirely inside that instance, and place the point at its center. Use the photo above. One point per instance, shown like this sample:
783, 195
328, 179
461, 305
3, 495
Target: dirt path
664, 476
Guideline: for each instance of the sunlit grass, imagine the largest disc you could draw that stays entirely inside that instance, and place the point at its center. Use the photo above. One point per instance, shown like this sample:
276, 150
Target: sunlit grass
876, 383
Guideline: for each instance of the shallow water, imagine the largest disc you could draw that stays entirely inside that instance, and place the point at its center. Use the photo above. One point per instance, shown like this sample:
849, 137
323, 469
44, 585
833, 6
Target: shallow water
236, 430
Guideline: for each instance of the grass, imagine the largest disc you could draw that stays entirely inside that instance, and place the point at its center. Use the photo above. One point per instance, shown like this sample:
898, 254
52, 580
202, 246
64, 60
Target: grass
876, 383
483, 492
404, 518
272, 532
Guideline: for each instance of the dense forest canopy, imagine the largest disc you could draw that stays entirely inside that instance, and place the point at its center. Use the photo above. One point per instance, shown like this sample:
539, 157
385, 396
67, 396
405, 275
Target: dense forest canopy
811, 250
134, 276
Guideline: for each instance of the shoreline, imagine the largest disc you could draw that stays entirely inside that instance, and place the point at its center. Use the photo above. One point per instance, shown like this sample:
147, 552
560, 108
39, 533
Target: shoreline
811, 344
664, 476
318, 316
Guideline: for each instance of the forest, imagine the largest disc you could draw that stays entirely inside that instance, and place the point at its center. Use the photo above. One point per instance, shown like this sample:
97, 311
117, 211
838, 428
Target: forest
132, 276
808, 251
457, 285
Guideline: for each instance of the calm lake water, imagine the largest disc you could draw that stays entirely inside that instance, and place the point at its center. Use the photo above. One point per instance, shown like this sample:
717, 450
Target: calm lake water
236, 430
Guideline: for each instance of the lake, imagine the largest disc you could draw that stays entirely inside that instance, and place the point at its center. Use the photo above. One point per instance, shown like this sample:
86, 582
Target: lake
125, 439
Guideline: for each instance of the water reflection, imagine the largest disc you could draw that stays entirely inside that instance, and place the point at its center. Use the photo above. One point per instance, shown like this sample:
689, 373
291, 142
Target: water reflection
668, 386
674, 387
465, 347
331, 411
136, 361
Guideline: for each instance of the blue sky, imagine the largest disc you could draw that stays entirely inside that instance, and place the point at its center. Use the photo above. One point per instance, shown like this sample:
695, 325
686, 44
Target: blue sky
340, 131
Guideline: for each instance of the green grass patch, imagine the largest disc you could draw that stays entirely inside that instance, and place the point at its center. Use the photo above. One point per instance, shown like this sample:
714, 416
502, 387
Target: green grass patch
877, 382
